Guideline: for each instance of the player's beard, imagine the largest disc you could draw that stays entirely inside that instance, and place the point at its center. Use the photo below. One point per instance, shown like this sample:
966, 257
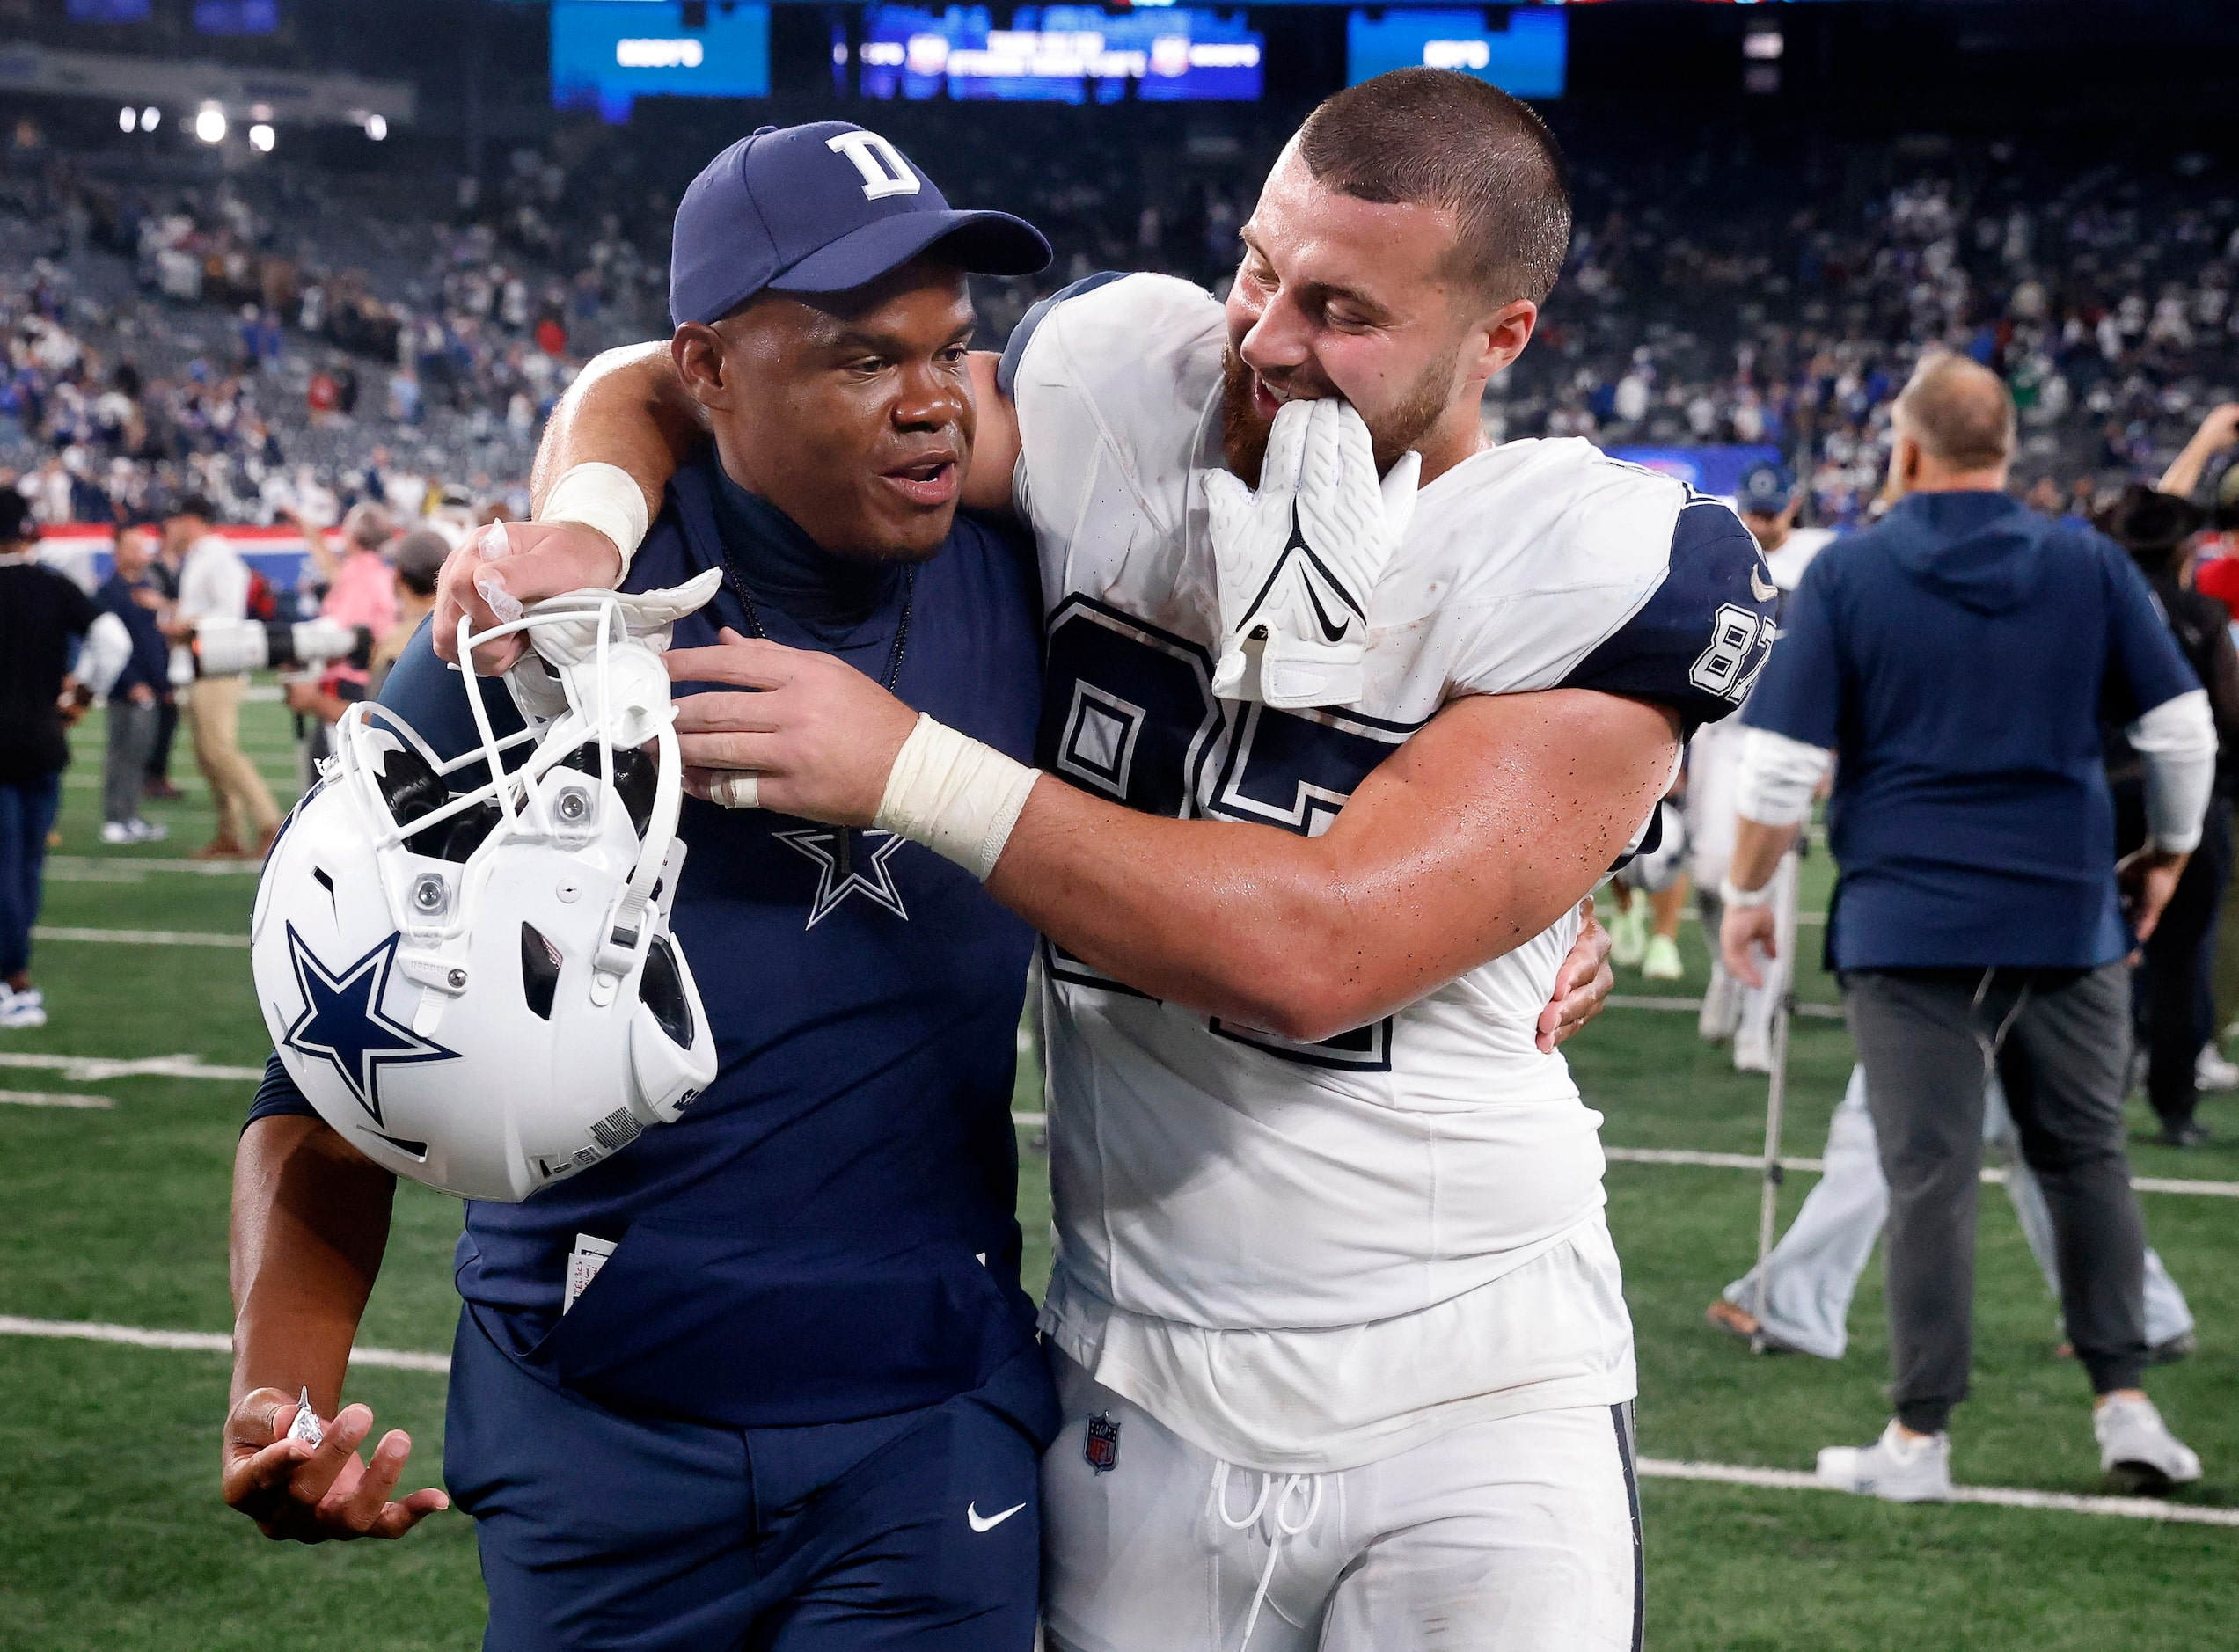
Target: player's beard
1244, 434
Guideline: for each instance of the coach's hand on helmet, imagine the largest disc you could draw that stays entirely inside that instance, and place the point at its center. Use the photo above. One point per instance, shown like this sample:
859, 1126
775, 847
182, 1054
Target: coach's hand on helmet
819, 735
293, 1490
507, 565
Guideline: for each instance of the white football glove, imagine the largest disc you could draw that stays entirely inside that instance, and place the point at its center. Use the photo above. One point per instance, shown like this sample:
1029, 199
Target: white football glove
544, 681
1298, 560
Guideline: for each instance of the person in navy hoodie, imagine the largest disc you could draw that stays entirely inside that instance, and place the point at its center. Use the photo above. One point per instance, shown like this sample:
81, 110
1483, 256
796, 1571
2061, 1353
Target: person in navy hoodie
801, 1404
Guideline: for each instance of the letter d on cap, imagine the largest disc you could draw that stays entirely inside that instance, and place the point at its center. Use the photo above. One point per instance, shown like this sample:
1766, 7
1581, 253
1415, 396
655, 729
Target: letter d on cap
884, 171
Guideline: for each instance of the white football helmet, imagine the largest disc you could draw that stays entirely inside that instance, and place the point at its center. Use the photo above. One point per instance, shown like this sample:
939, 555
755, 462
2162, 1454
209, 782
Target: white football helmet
1653, 871
479, 989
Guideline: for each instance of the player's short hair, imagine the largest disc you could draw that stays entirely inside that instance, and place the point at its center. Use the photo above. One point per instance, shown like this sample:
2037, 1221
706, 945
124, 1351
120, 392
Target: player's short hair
1433, 137
1959, 411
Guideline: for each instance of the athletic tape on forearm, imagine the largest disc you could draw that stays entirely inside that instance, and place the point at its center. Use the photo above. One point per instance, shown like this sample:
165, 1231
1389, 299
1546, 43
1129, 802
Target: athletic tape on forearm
2177, 740
958, 798
602, 496
1778, 776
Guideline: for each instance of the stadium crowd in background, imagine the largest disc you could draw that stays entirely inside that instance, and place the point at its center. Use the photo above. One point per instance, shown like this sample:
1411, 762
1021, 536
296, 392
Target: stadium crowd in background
271, 342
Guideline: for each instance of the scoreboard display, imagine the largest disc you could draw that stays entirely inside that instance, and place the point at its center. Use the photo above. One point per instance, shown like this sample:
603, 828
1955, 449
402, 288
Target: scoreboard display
1526, 55
607, 53
1059, 53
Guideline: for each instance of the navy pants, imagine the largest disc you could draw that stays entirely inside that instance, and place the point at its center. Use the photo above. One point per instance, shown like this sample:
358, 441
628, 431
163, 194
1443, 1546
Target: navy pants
602, 1531
27, 816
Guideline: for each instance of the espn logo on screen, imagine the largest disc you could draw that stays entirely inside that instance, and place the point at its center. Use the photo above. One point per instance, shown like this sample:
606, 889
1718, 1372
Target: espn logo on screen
658, 53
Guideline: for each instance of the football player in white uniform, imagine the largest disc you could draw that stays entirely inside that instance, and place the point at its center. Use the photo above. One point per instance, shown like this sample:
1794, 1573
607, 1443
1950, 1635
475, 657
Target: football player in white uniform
1769, 499
1325, 770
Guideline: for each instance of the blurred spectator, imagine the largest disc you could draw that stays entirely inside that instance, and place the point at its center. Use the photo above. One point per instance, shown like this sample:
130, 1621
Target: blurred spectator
137, 697
214, 584
41, 613
2175, 978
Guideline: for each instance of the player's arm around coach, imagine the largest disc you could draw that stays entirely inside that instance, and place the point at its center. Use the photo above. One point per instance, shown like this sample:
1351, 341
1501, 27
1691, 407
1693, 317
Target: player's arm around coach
1481, 830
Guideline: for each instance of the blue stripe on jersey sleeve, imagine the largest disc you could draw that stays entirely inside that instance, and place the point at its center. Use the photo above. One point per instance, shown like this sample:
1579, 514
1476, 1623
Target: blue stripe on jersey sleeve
1697, 643
1006, 375
277, 1097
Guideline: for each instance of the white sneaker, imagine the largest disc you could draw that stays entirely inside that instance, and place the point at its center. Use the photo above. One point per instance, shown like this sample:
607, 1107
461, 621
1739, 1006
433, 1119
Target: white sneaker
2136, 1443
149, 831
1897, 1467
115, 832
2212, 1071
1662, 961
1628, 935
1752, 1050
1721, 1006
20, 1011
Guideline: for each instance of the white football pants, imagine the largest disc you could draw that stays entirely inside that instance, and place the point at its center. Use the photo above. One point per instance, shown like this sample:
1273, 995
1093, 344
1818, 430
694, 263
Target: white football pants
1815, 1266
1520, 1535
1713, 778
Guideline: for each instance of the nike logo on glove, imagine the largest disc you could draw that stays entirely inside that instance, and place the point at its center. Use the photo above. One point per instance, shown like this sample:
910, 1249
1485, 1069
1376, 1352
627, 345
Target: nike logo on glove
1334, 633
988, 1523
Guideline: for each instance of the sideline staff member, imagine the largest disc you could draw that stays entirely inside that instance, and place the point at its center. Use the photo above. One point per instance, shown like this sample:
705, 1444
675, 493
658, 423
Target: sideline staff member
1955, 654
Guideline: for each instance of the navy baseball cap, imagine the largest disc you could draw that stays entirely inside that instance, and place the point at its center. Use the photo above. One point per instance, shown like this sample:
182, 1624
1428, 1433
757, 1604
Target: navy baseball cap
821, 208
1766, 489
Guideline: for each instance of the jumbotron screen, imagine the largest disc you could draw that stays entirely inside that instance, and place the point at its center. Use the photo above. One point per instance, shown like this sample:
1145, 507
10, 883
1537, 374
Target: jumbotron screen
1059, 55
607, 53
1527, 55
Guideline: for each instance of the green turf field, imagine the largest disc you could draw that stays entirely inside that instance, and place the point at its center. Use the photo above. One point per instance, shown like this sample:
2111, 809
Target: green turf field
112, 1536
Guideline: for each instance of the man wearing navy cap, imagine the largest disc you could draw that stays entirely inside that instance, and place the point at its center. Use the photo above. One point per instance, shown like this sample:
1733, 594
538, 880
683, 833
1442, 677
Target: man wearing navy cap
801, 1405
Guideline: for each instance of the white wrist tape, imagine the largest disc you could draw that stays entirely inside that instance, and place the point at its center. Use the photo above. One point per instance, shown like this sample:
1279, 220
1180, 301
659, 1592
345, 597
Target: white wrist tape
602, 496
1745, 898
958, 798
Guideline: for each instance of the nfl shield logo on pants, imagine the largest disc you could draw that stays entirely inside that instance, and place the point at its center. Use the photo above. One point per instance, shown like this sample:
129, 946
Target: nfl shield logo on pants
1103, 1442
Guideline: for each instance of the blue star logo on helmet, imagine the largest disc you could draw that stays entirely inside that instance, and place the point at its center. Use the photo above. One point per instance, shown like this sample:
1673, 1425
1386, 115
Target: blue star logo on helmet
343, 1024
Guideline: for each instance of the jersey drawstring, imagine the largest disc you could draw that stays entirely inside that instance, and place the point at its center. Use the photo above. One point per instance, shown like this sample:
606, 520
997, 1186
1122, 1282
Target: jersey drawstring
1280, 1490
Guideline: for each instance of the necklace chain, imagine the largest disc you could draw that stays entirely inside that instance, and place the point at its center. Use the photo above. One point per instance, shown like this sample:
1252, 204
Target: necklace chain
901, 629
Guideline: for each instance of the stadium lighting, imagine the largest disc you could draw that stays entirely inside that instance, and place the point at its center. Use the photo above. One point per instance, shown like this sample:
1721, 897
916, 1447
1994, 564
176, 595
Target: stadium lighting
150, 118
376, 127
261, 138
128, 119
209, 124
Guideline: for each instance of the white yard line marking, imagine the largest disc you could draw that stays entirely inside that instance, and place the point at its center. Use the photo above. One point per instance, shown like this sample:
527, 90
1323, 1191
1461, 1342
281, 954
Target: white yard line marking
1621, 1001
96, 864
198, 1341
1993, 1175
52, 1099
1996, 1496
1650, 1467
98, 1069
1031, 1121
139, 937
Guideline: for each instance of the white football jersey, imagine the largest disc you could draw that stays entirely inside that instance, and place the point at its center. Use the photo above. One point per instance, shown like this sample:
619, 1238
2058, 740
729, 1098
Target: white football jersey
1283, 1250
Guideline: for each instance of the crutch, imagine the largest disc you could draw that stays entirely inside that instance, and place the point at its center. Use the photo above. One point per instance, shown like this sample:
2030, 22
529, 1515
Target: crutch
1784, 899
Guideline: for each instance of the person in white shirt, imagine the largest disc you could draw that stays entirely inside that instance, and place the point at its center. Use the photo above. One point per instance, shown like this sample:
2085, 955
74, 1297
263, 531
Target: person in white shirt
1325, 768
214, 584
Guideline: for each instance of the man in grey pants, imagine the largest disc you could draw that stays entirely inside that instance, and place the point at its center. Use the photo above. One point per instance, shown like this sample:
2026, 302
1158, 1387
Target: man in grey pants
1814, 1271
1958, 656
136, 699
